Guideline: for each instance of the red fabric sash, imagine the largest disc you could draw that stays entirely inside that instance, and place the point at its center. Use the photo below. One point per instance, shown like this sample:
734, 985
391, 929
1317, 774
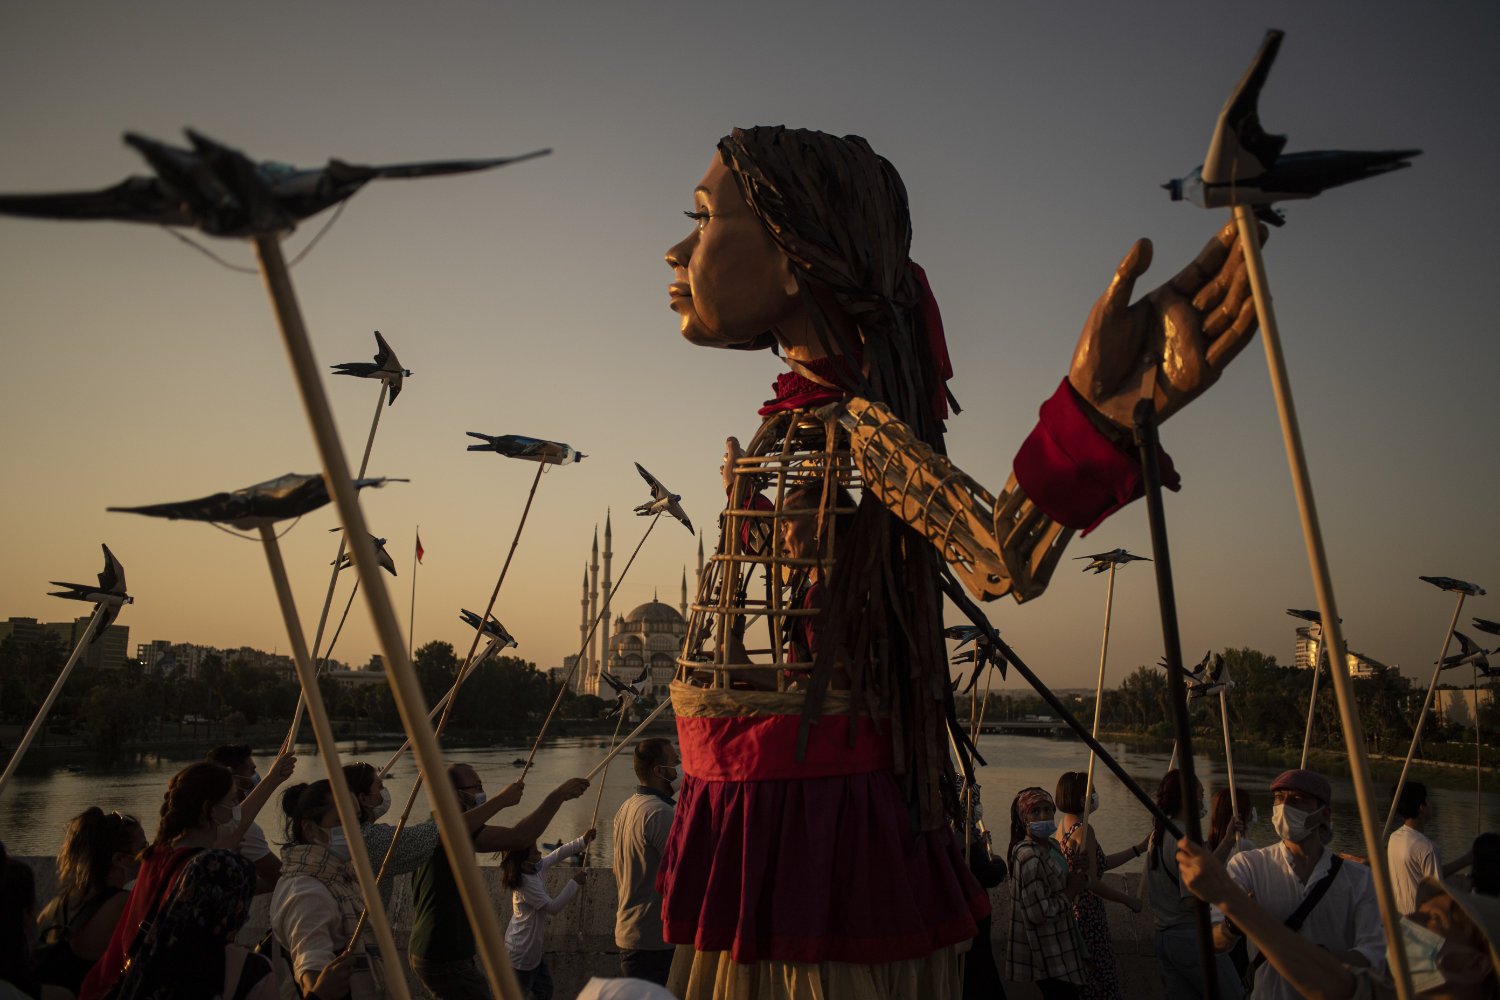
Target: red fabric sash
1075, 474
764, 747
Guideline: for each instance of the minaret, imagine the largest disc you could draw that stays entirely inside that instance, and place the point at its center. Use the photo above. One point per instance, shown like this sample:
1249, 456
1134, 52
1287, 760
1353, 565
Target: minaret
580, 679
700, 559
604, 625
682, 608
593, 660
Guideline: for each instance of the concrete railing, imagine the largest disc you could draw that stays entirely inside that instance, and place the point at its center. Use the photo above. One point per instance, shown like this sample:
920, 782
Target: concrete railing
580, 940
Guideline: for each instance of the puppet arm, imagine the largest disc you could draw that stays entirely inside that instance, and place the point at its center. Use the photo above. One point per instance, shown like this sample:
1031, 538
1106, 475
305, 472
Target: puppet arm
1069, 474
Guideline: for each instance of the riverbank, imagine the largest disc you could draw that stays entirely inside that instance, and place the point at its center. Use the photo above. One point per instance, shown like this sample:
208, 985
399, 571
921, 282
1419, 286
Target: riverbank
53, 750
1384, 769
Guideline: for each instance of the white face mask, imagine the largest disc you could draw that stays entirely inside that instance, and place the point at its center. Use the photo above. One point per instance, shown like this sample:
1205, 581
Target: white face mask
675, 781
338, 844
385, 804
1294, 824
234, 819
1093, 802
1254, 817
254, 778
479, 799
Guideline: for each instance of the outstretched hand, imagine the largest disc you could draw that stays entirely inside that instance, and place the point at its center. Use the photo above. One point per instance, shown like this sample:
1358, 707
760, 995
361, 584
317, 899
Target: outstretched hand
1187, 330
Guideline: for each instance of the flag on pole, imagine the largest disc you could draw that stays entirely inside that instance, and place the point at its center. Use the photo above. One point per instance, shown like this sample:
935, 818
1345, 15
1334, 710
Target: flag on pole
420, 550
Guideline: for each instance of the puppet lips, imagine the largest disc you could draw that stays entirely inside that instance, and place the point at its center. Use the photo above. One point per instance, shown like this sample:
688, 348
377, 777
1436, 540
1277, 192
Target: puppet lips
679, 290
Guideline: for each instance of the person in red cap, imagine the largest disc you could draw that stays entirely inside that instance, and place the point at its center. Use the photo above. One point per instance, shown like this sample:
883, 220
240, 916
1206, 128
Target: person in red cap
1326, 900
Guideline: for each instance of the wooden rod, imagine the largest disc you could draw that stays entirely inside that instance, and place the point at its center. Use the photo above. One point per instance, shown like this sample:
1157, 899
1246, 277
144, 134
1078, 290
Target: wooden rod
57, 686
1312, 535
403, 679
394, 975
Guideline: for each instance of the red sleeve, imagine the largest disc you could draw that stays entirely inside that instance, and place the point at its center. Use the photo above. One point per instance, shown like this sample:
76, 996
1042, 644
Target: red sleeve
1075, 474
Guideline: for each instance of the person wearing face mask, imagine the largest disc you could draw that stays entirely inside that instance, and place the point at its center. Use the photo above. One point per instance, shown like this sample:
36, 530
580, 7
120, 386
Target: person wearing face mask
200, 811
239, 758
95, 869
1451, 940
1045, 944
641, 830
1176, 937
442, 951
1299, 881
317, 902
1411, 854
1076, 840
418, 840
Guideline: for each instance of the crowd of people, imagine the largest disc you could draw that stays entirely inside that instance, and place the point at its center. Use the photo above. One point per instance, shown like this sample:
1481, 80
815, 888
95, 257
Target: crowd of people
159, 918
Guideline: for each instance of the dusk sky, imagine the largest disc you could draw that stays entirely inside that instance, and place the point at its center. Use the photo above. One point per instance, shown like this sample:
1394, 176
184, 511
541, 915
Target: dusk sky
1033, 139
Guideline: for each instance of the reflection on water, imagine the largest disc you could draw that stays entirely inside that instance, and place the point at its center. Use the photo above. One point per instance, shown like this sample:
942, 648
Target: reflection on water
38, 804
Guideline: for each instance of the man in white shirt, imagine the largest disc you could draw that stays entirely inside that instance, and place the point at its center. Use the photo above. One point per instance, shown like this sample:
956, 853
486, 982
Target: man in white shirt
1413, 856
642, 826
1283, 878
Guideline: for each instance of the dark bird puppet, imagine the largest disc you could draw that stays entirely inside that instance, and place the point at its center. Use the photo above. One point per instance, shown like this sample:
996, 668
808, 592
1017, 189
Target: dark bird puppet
529, 448
110, 592
663, 500
631, 692
381, 556
1209, 677
223, 192
1485, 625
385, 367
490, 628
1469, 652
1101, 561
1307, 615
291, 495
1245, 165
1456, 586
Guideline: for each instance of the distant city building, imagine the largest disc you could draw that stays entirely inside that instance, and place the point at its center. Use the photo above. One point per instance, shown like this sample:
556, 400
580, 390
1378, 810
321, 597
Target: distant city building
110, 652
1310, 643
355, 678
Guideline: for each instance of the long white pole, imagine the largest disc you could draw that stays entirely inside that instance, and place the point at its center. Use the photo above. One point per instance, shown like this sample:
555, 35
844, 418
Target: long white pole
1234, 802
411, 617
1312, 534
1312, 702
343, 799
405, 689
1416, 735
1109, 602
57, 686
333, 579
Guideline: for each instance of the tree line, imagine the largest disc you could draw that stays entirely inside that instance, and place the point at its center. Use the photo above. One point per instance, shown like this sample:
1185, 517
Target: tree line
110, 709
1268, 708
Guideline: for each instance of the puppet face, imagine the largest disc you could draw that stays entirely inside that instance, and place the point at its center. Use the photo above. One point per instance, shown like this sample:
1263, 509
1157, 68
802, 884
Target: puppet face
730, 283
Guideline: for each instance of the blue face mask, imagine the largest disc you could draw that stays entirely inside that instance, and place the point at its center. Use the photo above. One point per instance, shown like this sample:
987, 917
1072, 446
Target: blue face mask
1422, 946
1042, 828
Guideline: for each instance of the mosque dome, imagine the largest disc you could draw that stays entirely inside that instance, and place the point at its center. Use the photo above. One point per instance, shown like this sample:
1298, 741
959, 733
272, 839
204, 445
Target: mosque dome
655, 611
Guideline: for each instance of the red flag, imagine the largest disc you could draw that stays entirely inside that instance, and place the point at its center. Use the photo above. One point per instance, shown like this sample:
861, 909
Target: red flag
420, 550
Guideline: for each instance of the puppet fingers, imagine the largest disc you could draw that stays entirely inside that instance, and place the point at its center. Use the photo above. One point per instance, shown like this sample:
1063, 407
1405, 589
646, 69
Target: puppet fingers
1226, 310
1204, 268
1233, 340
1116, 298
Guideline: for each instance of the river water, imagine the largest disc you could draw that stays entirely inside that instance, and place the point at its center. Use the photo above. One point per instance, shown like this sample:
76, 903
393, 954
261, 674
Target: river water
43, 797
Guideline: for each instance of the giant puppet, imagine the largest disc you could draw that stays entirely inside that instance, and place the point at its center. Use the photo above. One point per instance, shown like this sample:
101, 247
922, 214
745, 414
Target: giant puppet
810, 854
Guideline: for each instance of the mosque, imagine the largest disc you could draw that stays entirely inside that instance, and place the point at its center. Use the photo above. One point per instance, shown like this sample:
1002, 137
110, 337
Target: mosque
651, 634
